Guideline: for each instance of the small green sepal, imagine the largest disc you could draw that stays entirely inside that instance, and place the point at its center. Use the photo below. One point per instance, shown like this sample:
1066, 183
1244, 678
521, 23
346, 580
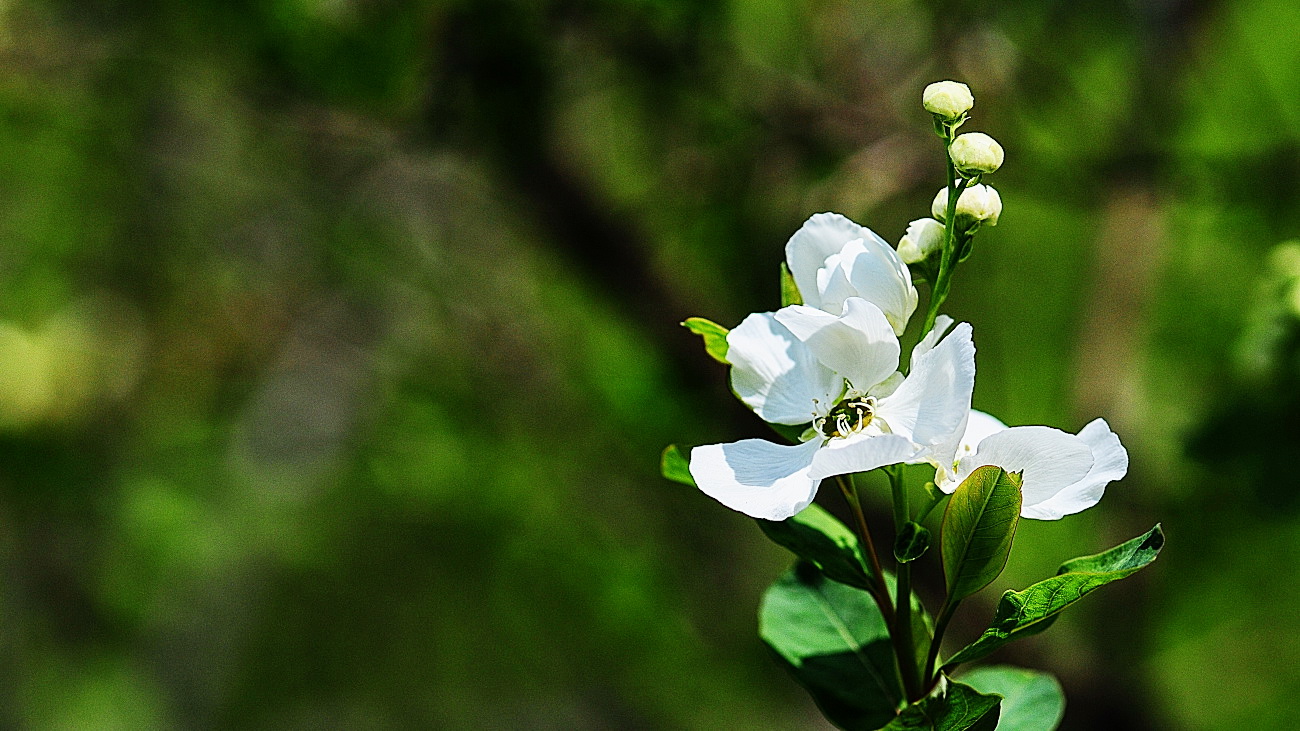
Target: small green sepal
674, 466
789, 290
715, 337
912, 542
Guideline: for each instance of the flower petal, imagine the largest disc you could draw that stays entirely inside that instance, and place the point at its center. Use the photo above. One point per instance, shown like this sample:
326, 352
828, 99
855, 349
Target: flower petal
979, 426
879, 276
927, 343
1049, 461
775, 374
822, 235
931, 405
859, 345
756, 477
861, 453
1110, 463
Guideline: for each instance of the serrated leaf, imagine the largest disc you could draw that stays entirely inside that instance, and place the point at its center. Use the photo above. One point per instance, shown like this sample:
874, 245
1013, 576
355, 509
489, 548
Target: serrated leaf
1028, 612
715, 336
674, 466
817, 536
789, 290
958, 707
912, 542
832, 638
1031, 700
979, 525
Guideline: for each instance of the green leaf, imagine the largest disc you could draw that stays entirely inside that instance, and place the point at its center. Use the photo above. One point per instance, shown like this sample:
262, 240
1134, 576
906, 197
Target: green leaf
956, 707
978, 527
1031, 701
674, 465
1028, 612
789, 290
833, 639
817, 536
715, 336
912, 542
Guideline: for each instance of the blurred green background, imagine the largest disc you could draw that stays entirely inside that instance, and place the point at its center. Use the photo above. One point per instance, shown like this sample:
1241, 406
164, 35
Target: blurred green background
338, 342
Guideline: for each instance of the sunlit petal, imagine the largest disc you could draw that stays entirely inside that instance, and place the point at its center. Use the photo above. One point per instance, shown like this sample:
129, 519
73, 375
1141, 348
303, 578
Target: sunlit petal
1048, 460
859, 345
821, 236
880, 277
756, 477
861, 453
927, 343
1110, 463
775, 374
930, 406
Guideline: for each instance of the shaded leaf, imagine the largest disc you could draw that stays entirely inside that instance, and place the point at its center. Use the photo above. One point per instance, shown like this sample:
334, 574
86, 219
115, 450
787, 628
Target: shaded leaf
817, 536
789, 290
674, 466
1028, 612
832, 638
978, 527
1031, 700
715, 336
955, 707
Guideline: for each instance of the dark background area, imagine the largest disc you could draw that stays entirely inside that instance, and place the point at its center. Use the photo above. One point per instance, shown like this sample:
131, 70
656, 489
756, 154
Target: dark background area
338, 343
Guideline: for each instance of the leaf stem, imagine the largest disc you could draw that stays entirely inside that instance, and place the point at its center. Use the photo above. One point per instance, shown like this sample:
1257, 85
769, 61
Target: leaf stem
881, 593
940, 626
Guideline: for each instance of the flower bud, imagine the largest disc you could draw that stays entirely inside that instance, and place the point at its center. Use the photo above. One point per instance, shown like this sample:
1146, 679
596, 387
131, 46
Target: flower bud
976, 152
924, 237
947, 99
980, 203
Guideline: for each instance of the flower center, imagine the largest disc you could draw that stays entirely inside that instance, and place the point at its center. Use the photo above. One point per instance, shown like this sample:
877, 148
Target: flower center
849, 416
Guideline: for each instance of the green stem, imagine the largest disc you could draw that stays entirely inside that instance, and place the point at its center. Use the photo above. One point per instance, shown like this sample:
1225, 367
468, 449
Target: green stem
904, 643
948, 257
881, 592
940, 626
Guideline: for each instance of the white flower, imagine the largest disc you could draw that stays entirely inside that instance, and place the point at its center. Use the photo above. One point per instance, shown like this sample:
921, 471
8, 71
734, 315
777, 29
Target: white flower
832, 259
948, 99
1061, 473
924, 236
977, 202
802, 365
976, 152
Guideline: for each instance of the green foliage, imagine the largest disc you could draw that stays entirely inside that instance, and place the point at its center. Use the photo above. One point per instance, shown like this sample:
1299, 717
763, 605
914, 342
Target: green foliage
832, 637
789, 290
955, 707
715, 336
1028, 612
675, 466
912, 542
819, 537
1031, 701
978, 528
